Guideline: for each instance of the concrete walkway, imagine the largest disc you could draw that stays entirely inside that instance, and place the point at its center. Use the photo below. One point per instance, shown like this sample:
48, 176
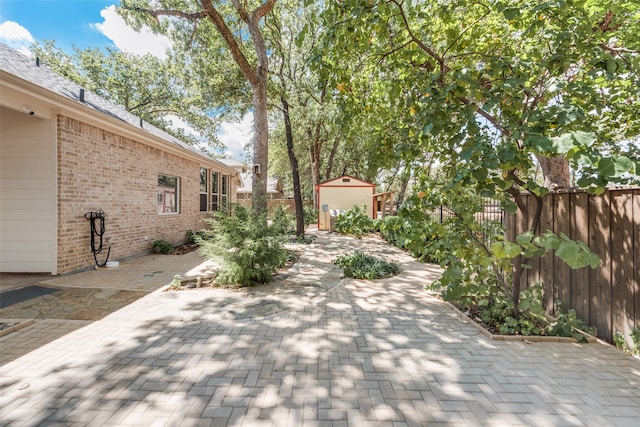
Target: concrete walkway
314, 349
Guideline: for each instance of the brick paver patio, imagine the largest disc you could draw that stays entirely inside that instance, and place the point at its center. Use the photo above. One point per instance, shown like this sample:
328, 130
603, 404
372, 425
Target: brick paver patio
317, 351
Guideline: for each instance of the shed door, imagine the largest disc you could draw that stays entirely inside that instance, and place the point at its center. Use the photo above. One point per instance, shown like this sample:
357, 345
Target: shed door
27, 196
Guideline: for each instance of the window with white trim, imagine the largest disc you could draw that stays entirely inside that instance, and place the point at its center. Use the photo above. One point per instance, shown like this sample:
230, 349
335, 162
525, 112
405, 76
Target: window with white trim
215, 190
224, 191
204, 190
168, 190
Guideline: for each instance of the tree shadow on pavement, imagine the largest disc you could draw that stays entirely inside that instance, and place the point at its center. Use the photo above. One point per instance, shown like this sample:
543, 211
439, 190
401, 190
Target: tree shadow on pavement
356, 353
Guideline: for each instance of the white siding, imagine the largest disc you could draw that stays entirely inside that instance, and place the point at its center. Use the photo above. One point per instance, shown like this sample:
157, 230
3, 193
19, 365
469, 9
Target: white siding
27, 193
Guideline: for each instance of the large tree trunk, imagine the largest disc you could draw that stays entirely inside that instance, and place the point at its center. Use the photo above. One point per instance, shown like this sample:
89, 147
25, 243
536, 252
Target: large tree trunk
332, 155
297, 190
556, 172
257, 75
260, 148
314, 153
406, 176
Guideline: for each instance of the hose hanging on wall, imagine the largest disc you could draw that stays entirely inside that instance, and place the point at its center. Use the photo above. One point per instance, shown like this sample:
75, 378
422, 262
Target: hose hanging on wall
97, 232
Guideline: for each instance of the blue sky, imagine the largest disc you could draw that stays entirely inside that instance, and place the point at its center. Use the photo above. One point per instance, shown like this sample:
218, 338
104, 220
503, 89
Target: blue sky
92, 23
68, 22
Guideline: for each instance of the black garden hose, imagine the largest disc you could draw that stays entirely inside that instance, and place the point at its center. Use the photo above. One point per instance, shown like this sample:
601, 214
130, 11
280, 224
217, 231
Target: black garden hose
98, 232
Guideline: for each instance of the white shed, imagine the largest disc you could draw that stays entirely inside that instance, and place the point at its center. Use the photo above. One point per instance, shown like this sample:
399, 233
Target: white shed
341, 194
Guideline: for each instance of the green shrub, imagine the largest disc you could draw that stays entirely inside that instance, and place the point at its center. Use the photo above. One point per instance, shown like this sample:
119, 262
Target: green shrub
250, 250
478, 261
192, 236
176, 283
416, 232
620, 341
162, 246
635, 337
283, 222
355, 222
364, 266
498, 312
393, 230
568, 324
305, 239
310, 215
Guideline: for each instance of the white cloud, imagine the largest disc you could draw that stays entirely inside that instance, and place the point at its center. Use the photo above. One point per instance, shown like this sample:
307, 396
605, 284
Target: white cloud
16, 36
235, 136
129, 40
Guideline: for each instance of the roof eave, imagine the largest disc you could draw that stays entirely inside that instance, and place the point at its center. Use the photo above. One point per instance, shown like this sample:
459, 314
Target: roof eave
65, 106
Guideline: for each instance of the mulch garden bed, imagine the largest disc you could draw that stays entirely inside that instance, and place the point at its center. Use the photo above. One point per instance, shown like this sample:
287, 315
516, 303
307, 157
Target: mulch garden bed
209, 281
472, 316
182, 249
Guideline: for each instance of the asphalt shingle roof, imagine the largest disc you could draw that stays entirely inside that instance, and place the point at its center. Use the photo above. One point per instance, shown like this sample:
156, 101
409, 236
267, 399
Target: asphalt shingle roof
20, 65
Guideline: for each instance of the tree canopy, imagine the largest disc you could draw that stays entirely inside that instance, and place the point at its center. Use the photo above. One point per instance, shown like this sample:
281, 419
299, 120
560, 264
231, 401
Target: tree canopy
217, 32
159, 91
509, 84
491, 92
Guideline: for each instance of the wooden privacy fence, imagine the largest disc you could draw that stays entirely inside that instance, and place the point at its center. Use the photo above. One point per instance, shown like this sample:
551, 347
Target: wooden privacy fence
274, 204
608, 297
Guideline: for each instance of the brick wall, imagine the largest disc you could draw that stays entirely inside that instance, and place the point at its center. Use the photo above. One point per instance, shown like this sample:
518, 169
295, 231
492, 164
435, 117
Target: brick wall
101, 170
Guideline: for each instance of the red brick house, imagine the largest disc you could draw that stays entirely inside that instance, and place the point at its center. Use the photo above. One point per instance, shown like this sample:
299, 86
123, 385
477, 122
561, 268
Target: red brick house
65, 151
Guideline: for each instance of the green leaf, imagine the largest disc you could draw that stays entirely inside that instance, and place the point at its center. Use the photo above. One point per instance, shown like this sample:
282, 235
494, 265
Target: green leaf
584, 139
566, 142
524, 238
480, 174
576, 255
562, 144
548, 241
612, 167
506, 250
510, 206
511, 14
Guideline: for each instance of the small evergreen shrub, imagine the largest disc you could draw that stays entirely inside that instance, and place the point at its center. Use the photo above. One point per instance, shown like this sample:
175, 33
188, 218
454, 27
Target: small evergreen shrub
251, 251
310, 215
283, 222
364, 266
192, 236
176, 282
162, 246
